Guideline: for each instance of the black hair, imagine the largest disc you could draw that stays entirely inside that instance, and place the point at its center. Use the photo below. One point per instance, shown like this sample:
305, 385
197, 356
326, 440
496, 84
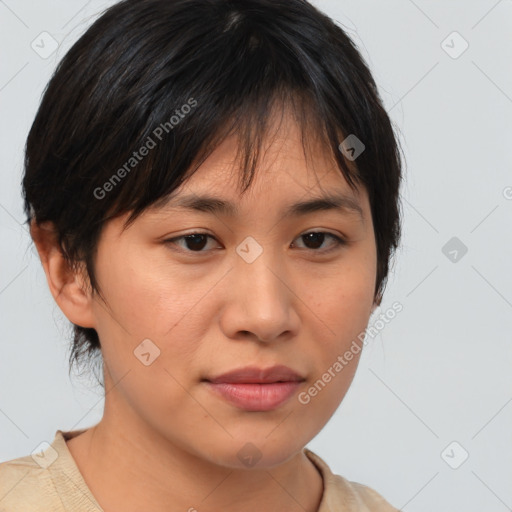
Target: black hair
177, 77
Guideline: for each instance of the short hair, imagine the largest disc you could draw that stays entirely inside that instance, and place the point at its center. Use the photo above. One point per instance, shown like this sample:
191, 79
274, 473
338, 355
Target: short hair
177, 77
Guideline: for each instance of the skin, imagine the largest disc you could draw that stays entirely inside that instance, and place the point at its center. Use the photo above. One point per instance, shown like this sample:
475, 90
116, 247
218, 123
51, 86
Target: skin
164, 435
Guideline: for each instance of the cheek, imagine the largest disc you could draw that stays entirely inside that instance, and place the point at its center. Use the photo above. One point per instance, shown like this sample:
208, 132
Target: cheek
343, 295
145, 300
341, 306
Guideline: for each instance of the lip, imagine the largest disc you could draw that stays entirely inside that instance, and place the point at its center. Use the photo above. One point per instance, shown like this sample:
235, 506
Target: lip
257, 389
255, 375
256, 397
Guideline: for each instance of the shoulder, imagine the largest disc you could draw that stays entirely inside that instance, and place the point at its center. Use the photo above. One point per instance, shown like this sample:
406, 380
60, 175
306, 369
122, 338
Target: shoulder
340, 493
47, 479
371, 498
26, 485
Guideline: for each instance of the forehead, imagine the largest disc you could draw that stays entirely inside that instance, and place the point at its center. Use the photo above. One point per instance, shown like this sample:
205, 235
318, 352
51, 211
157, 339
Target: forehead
289, 195
286, 169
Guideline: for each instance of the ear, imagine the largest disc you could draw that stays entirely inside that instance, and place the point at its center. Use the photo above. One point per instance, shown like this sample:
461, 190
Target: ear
68, 287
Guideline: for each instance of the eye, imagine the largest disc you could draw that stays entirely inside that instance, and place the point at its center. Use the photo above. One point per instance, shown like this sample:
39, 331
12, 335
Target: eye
196, 242
315, 239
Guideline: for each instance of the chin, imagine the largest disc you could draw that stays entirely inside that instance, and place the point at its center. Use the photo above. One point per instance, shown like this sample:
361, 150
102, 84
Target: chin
243, 453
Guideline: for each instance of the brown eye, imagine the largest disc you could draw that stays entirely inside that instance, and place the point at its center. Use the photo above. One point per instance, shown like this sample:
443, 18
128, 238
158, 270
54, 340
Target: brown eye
315, 239
194, 242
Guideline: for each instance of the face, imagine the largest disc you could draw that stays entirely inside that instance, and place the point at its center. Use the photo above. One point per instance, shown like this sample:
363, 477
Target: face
195, 294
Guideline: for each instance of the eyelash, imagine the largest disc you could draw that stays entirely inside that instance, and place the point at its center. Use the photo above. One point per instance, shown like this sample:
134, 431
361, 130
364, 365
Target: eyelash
339, 241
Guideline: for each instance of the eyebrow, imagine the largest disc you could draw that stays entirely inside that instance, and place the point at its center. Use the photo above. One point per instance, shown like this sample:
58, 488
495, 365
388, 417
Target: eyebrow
206, 203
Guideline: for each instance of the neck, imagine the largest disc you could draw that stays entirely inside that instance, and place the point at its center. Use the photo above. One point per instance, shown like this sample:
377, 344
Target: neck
128, 466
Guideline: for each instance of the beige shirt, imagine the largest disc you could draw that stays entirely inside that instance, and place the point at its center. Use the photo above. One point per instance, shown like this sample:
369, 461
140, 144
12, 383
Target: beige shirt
51, 481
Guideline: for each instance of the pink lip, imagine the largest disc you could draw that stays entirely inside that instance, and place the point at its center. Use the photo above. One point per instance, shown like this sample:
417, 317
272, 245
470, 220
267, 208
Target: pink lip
256, 389
253, 375
256, 397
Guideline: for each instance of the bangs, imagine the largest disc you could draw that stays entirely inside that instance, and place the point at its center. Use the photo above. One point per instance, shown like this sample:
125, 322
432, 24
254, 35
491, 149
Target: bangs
256, 122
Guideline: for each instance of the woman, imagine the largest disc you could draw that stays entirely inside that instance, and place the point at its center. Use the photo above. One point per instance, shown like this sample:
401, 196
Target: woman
213, 189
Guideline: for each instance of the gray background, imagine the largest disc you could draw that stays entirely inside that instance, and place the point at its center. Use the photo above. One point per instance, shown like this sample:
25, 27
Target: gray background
441, 370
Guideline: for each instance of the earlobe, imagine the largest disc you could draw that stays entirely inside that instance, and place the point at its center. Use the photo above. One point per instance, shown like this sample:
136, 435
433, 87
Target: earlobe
66, 284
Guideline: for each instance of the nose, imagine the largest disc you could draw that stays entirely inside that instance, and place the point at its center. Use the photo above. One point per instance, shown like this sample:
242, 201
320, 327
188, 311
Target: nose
259, 303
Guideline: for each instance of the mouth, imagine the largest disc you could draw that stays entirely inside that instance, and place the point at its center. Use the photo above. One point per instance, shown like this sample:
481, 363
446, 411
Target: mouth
255, 375
255, 397
256, 389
